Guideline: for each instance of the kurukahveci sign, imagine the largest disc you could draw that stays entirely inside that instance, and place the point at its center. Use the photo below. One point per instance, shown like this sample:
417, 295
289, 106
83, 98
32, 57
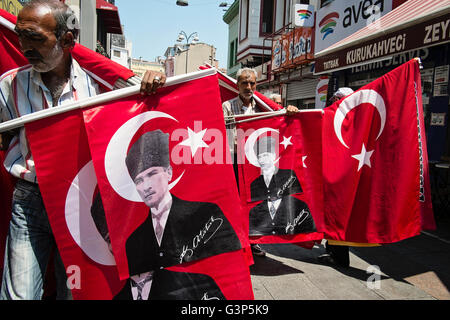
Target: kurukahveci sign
425, 34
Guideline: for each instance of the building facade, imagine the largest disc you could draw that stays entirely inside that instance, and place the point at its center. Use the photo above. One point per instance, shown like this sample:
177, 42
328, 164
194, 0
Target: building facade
121, 50
182, 58
231, 18
260, 23
140, 66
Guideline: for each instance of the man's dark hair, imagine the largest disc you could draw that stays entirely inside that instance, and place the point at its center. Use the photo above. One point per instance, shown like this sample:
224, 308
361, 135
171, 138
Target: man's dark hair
64, 16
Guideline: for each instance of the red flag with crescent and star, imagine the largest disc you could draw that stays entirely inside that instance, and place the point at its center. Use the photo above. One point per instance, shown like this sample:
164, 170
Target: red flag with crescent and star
68, 186
105, 71
376, 181
89, 218
178, 170
280, 167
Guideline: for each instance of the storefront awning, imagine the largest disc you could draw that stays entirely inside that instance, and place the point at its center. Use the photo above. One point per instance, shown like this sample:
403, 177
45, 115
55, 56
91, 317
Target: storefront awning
109, 14
413, 25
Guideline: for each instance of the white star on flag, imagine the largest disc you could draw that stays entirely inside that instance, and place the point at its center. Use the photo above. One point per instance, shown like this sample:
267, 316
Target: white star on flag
286, 142
195, 141
363, 157
303, 160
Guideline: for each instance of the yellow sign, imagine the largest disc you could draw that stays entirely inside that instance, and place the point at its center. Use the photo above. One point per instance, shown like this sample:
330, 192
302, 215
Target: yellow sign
12, 6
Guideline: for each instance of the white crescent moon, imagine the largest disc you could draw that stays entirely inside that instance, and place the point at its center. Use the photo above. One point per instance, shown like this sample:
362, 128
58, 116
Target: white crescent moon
354, 100
248, 148
116, 152
79, 220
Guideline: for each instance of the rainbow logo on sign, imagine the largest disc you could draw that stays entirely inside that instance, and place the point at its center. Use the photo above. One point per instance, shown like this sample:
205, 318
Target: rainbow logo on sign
328, 23
304, 14
322, 91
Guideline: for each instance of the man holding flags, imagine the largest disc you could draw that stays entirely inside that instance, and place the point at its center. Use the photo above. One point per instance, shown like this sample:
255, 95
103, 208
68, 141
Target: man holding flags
244, 103
52, 78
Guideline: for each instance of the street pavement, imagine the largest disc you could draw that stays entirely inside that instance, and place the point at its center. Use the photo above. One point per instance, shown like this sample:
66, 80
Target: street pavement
417, 268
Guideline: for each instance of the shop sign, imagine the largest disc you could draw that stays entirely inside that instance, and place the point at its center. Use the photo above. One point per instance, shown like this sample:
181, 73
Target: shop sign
12, 6
293, 48
303, 15
425, 34
321, 93
340, 19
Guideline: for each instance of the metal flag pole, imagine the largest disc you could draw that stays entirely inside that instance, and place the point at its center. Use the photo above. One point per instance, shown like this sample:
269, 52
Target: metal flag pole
251, 117
99, 99
263, 115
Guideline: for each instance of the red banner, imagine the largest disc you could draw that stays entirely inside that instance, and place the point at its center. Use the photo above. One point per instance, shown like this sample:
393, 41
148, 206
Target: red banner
11, 58
168, 193
280, 162
101, 68
376, 181
67, 182
87, 228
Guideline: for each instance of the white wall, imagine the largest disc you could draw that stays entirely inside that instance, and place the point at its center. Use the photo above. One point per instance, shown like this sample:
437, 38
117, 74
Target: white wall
86, 13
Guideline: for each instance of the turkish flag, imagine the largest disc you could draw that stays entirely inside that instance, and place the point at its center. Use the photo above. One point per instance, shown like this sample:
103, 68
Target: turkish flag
280, 166
11, 58
376, 181
154, 160
102, 69
9, 44
68, 186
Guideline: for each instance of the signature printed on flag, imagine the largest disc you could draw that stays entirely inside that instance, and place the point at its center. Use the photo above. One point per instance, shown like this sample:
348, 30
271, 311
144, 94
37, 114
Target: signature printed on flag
288, 184
196, 241
297, 221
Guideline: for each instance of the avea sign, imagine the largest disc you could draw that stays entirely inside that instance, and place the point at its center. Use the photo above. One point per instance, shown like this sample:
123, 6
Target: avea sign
364, 10
336, 21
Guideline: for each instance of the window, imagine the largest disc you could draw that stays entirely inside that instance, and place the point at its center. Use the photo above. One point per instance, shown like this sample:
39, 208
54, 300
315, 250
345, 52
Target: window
267, 16
243, 26
116, 53
231, 57
287, 12
279, 18
235, 50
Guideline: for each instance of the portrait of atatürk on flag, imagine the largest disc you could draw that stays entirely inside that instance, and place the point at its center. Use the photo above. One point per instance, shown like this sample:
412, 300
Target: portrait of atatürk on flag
279, 213
161, 240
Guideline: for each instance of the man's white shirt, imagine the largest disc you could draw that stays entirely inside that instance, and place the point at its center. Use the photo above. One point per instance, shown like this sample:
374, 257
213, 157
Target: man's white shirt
268, 175
164, 208
147, 285
22, 92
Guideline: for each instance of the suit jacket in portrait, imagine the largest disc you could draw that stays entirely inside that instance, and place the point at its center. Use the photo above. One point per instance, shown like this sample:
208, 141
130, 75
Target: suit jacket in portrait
171, 285
194, 230
284, 182
292, 217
